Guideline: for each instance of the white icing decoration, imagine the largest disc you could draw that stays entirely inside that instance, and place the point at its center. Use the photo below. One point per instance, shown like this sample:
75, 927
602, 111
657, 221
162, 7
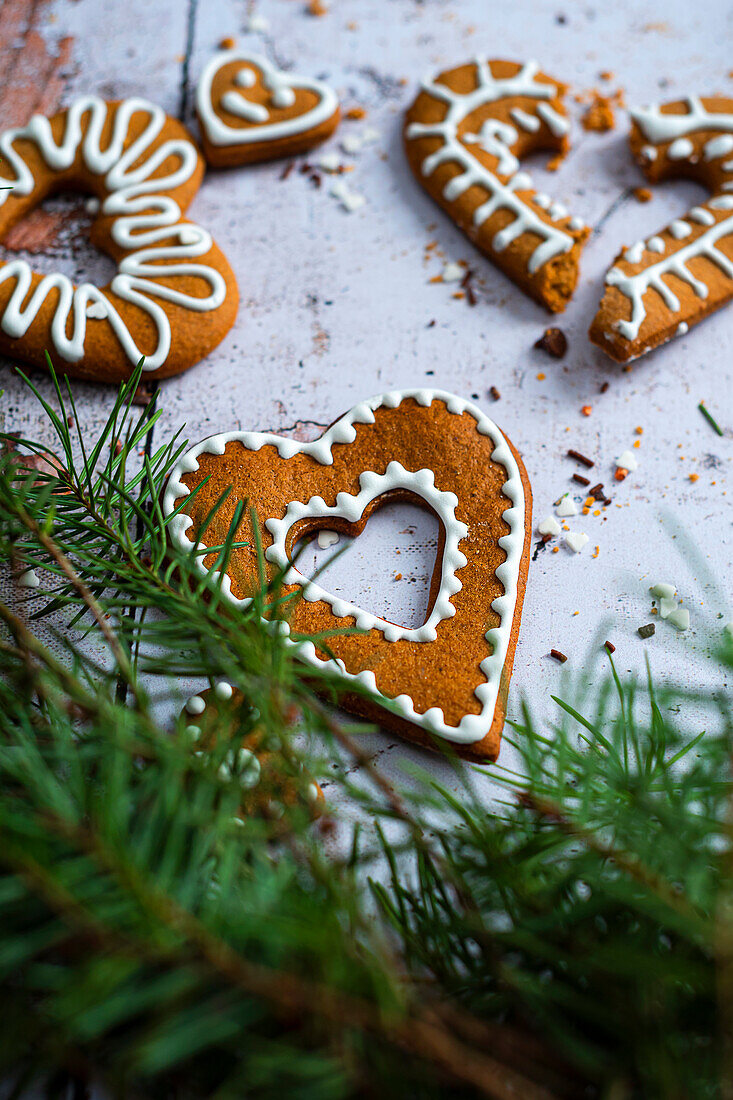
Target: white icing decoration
576, 223
679, 229
556, 123
636, 286
655, 244
143, 219
702, 216
627, 461
659, 128
549, 526
495, 137
195, 705
97, 311
524, 120
649, 152
223, 690
472, 727
576, 540
92, 205
282, 87
501, 195
246, 78
663, 591
350, 200
329, 162
351, 508
634, 254
682, 328
326, 539
681, 149
718, 147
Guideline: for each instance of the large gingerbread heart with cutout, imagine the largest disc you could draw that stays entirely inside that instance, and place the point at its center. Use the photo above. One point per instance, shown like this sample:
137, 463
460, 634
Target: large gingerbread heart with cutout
446, 679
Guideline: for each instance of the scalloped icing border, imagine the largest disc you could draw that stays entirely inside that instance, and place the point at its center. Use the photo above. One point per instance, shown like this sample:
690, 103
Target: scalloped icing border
472, 727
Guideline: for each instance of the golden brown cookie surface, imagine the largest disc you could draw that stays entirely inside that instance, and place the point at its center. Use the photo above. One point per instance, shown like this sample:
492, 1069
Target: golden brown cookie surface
269, 778
658, 288
448, 677
173, 297
464, 136
249, 111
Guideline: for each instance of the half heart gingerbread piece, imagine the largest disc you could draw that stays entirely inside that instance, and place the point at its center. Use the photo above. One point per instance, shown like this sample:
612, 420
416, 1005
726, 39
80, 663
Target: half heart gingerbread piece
465, 135
445, 681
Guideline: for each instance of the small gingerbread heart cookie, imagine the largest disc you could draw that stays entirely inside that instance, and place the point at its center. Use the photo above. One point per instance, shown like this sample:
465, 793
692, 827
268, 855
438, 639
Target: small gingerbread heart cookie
465, 135
250, 111
269, 779
446, 679
660, 287
174, 295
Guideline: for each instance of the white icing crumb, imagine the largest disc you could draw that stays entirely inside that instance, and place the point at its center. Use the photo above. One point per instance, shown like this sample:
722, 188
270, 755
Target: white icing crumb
350, 200
195, 705
223, 690
576, 540
92, 205
29, 579
627, 461
312, 793
96, 311
666, 606
680, 618
329, 162
663, 591
567, 507
193, 732
452, 272
326, 539
257, 24
354, 143
549, 526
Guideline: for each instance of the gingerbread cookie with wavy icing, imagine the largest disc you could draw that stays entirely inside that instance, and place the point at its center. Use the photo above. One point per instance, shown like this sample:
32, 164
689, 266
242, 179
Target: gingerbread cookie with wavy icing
662, 286
220, 728
465, 135
173, 297
446, 679
249, 111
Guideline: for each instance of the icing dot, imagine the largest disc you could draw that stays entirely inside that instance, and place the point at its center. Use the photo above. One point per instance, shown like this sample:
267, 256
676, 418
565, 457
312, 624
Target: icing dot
223, 690
245, 78
248, 769
634, 254
649, 152
195, 705
283, 97
701, 215
718, 147
193, 732
92, 205
682, 328
655, 244
542, 200
680, 149
679, 229
576, 223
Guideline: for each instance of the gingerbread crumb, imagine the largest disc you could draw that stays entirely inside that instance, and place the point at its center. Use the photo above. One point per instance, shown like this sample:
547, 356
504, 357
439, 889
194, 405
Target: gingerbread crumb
599, 116
316, 7
227, 43
355, 113
554, 342
642, 194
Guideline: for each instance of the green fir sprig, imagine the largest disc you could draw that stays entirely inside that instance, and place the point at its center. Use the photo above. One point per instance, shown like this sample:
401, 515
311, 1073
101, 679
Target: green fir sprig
573, 939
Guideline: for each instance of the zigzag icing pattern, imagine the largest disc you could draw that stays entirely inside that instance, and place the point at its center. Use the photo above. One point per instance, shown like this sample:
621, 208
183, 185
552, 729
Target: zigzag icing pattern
495, 138
670, 130
472, 727
143, 219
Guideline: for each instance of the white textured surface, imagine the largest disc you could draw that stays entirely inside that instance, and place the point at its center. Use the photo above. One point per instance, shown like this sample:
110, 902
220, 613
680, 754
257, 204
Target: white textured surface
337, 305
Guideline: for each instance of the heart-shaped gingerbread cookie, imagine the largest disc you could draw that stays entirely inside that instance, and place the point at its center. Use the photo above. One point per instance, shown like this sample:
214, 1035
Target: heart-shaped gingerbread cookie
464, 137
447, 678
250, 111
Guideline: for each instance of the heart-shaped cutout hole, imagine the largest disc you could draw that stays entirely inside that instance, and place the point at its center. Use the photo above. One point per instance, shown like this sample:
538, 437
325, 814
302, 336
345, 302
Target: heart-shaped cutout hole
386, 568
